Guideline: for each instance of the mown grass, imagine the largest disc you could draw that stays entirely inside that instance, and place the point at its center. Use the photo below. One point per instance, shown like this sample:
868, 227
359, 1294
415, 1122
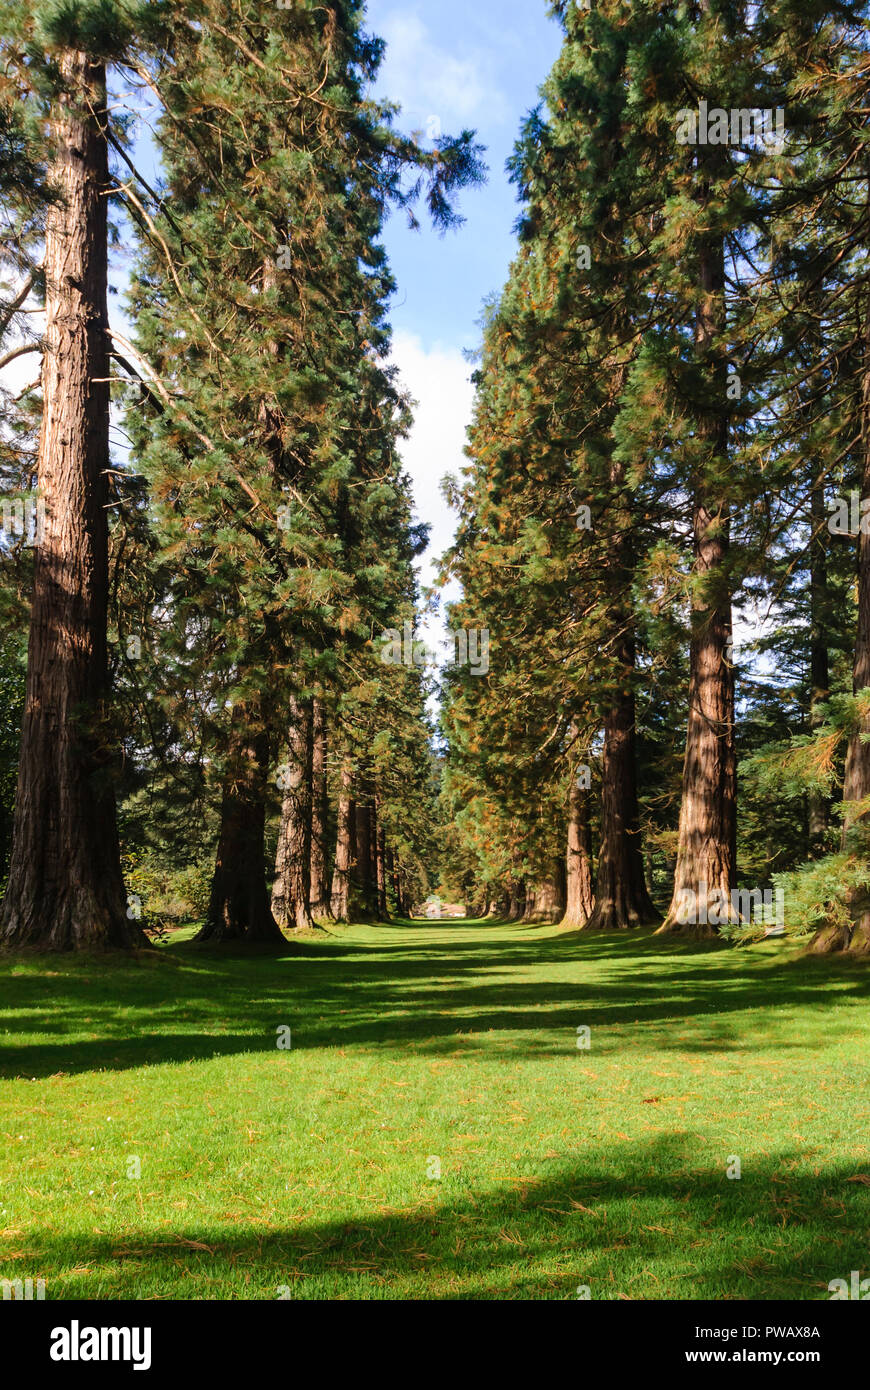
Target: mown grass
308, 1169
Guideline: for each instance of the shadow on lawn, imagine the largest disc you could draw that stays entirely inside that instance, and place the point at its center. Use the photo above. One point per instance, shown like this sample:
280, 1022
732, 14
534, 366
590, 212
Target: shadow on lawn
447, 994
667, 1230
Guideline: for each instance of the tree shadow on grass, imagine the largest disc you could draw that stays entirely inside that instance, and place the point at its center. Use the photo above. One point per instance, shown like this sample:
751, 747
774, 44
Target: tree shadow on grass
654, 1220
186, 1003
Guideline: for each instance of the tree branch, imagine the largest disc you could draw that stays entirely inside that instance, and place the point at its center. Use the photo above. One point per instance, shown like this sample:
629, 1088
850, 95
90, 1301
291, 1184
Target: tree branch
19, 352
6, 317
144, 372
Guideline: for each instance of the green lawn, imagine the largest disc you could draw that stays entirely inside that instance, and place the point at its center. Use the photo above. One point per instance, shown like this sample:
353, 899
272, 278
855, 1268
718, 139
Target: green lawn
310, 1168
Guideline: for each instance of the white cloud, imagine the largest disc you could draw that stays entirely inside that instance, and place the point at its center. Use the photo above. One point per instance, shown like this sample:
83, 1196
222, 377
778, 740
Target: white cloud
438, 379
428, 81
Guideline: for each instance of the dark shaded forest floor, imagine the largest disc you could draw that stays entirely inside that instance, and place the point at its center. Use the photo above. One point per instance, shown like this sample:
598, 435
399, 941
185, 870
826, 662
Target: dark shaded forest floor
312, 1171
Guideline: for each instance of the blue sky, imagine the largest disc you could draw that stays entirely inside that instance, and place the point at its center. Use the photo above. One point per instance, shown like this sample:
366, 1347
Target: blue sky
466, 65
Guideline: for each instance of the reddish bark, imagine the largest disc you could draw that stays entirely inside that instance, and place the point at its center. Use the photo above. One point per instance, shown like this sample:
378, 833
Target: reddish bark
319, 895
546, 900
621, 898
291, 902
65, 889
855, 936
362, 879
818, 803
580, 897
707, 840
239, 901
339, 898
381, 869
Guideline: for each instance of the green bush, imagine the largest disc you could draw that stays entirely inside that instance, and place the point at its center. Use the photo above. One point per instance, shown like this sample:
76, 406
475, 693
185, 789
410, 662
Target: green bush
168, 896
815, 895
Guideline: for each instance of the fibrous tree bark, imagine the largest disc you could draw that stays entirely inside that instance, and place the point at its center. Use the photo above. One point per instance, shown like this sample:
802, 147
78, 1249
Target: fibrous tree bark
854, 936
339, 898
239, 901
546, 900
373, 856
580, 897
706, 871
516, 900
319, 893
291, 900
65, 888
398, 881
818, 803
381, 867
362, 878
621, 898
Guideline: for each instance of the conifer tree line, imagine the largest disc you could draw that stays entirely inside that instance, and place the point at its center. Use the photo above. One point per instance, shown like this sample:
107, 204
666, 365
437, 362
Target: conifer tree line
663, 522
663, 525
224, 527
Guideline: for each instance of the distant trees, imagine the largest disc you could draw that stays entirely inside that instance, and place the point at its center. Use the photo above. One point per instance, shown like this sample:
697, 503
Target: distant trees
648, 451
661, 529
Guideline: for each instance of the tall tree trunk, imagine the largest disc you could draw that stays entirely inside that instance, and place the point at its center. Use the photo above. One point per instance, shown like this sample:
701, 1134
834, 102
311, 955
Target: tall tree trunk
361, 876
65, 888
707, 840
561, 876
402, 905
381, 863
339, 899
855, 937
402, 909
519, 896
390, 876
373, 853
648, 875
547, 902
396, 880
580, 898
621, 899
818, 807
239, 902
291, 901
319, 895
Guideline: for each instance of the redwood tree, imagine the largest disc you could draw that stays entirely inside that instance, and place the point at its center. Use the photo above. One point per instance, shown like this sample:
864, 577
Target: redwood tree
65, 888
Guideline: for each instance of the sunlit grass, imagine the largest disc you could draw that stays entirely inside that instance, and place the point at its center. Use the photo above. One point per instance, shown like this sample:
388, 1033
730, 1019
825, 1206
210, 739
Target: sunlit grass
309, 1169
